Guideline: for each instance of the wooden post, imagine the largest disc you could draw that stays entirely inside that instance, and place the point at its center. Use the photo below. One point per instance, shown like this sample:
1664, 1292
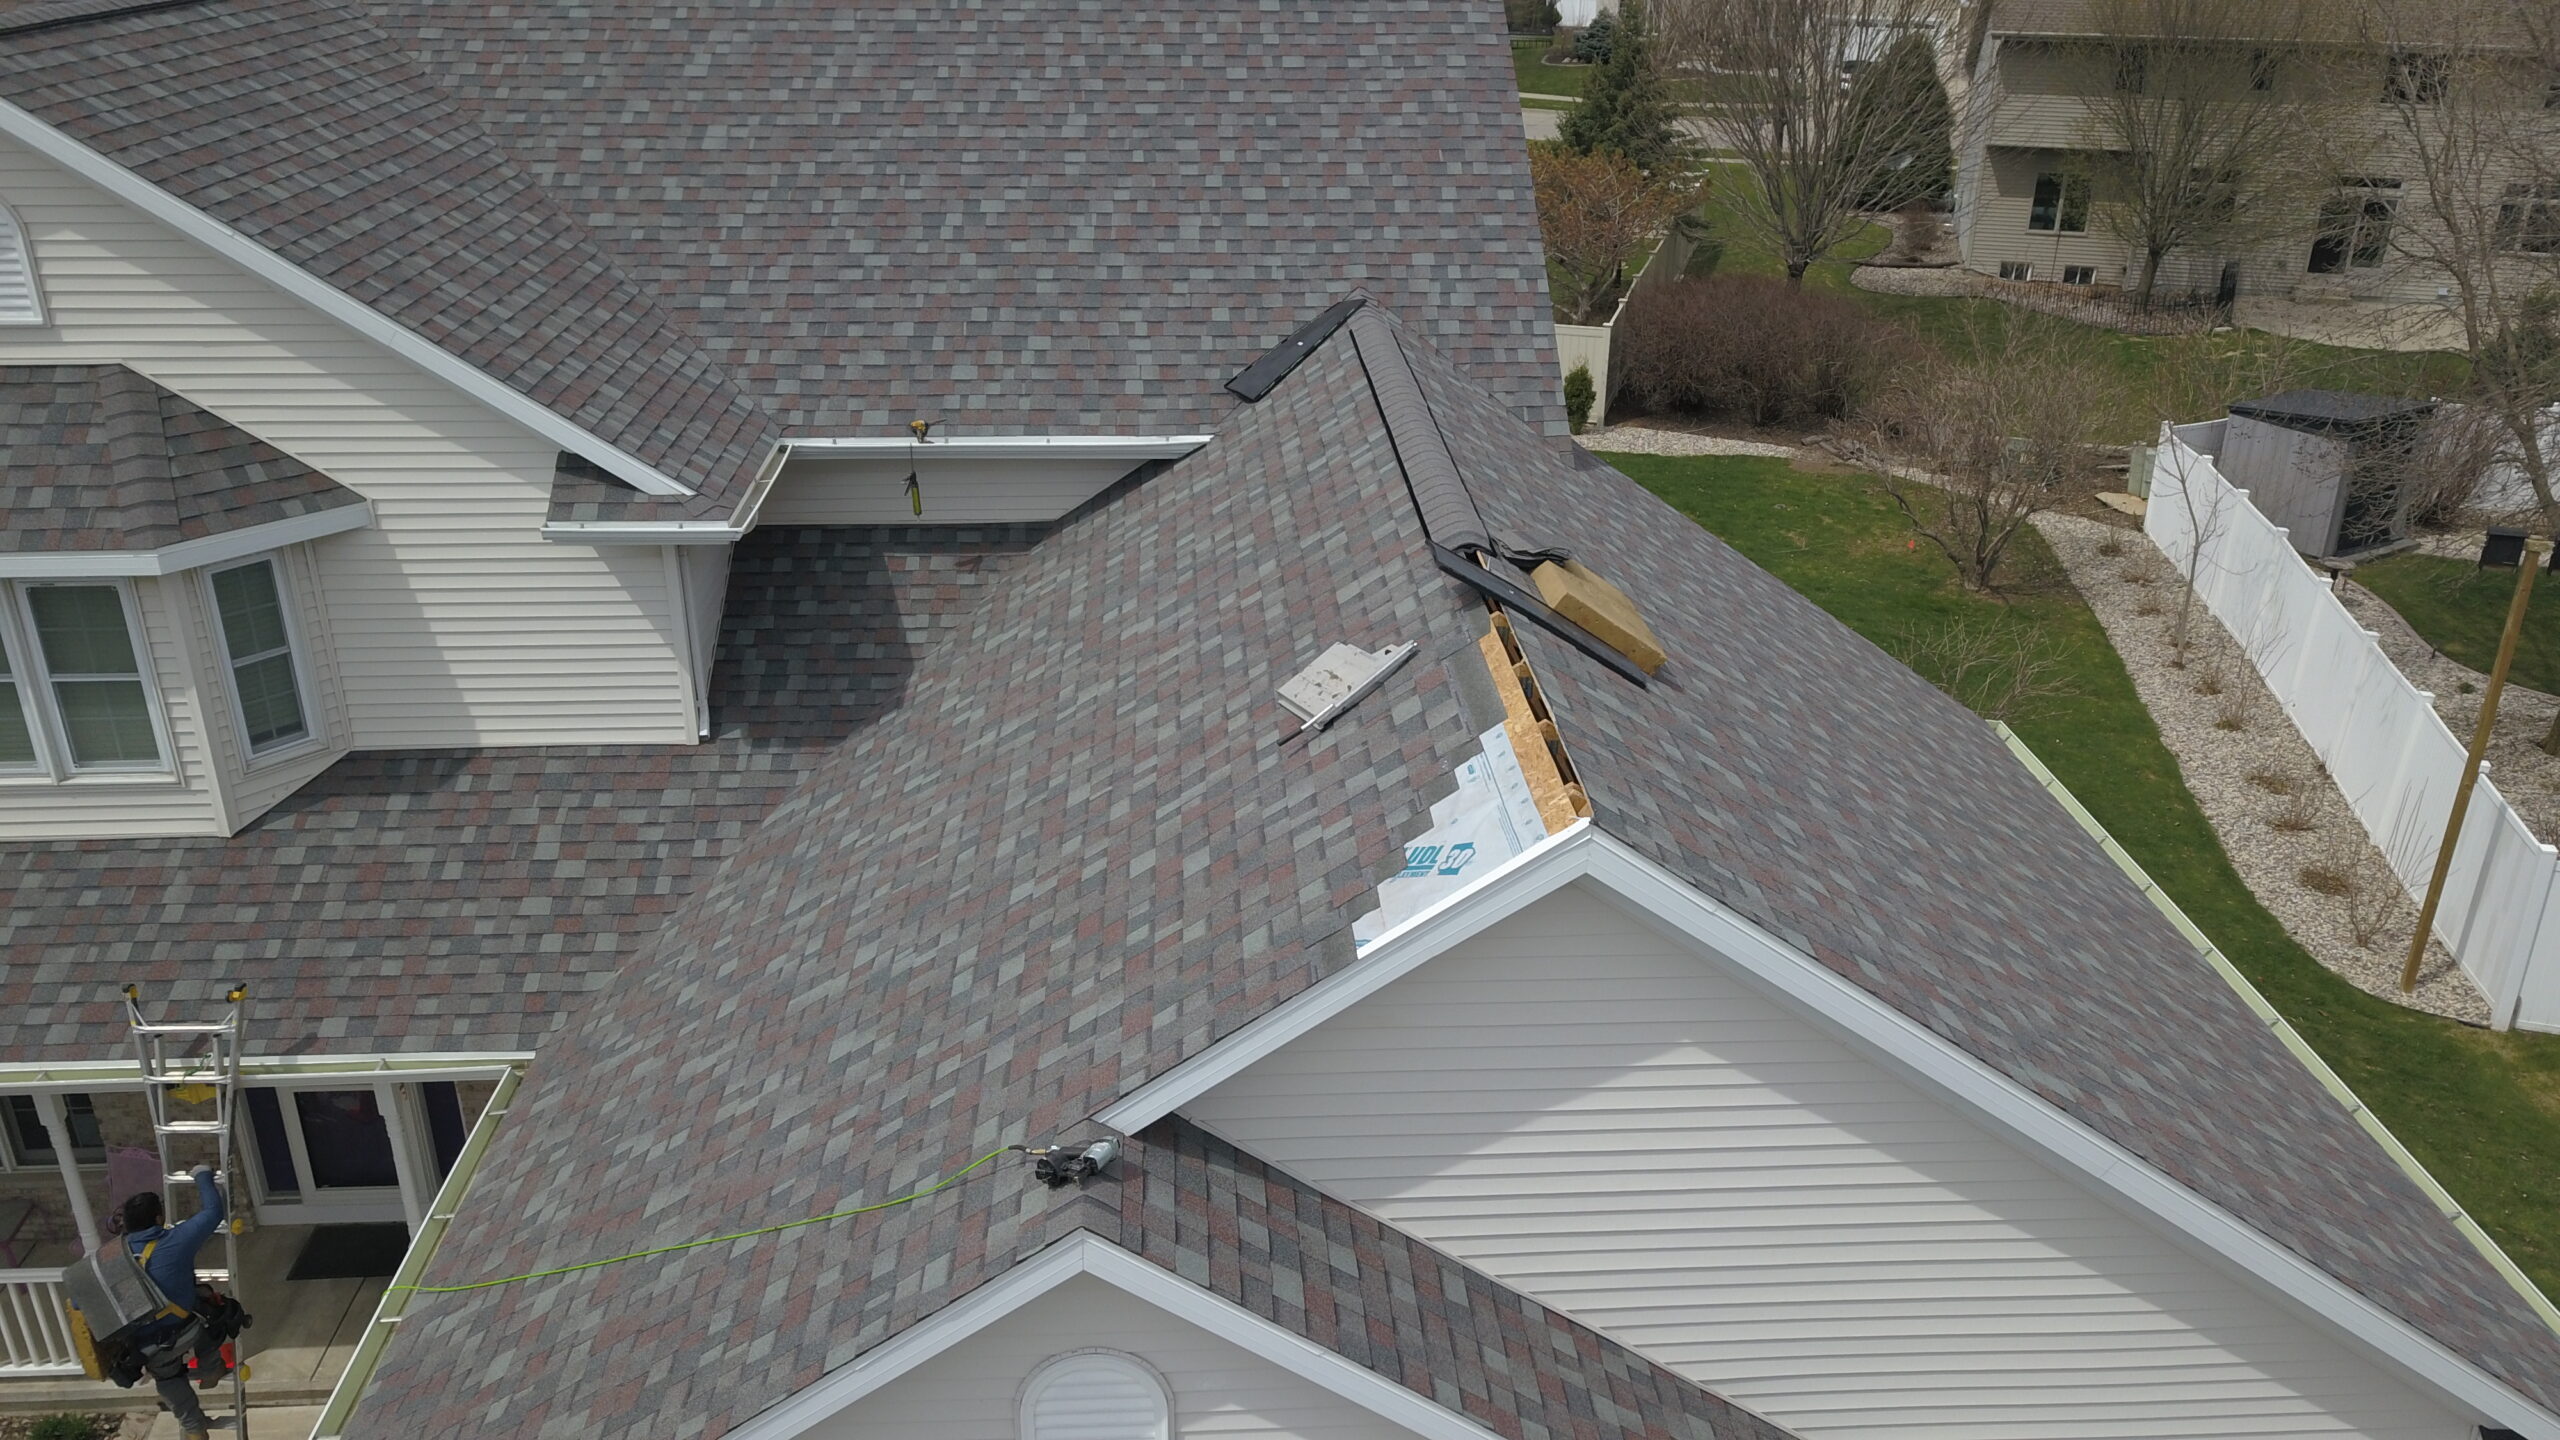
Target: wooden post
404, 1157
58, 1125
2535, 551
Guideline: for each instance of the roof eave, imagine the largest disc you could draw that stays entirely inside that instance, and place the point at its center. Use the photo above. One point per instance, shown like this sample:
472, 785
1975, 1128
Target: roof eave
187, 554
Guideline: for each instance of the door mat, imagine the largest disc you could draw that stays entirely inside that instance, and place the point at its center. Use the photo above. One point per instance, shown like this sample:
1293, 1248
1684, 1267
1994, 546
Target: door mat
350, 1252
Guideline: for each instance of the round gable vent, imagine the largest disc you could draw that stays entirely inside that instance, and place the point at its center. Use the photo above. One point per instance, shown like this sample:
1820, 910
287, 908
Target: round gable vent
1096, 1395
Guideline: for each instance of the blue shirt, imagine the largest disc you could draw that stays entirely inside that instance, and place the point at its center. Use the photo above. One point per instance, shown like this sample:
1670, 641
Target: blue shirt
172, 1265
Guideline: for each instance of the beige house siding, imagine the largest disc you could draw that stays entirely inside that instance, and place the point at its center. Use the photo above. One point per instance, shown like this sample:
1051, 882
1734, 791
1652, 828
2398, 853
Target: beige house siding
1618, 1125
455, 623
1220, 1390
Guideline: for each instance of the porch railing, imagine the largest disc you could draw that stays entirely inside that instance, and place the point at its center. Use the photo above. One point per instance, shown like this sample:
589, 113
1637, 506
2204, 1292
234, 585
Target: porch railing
35, 1331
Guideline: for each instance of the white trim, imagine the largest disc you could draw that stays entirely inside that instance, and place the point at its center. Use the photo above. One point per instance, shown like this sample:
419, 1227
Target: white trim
643, 532
187, 554
1497, 894
1085, 1253
317, 1072
57, 733
16, 228
301, 284
253, 758
1911, 1050
1009, 447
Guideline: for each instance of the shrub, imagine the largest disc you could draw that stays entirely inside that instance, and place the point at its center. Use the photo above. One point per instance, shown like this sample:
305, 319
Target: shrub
1595, 42
64, 1427
1579, 392
1751, 348
1560, 49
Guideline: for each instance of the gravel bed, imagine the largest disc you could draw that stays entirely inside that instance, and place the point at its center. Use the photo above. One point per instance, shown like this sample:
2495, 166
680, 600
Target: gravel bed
1645, 440
2529, 779
2360, 936
1913, 280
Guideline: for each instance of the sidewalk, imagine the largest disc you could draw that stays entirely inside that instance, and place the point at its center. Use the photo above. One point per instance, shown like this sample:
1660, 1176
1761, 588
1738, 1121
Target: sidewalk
276, 1422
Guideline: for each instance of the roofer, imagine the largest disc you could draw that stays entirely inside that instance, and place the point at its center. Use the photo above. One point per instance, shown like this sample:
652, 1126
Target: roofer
168, 1256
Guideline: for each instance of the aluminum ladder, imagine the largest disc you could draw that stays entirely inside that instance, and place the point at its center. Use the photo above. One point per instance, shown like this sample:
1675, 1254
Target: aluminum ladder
191, 1062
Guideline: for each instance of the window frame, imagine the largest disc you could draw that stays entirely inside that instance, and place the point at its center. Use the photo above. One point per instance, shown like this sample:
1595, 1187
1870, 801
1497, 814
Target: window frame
22, 1155
2066, 188
2416, 77
2525, 211
257, 757
21, 680
2079, 274
53, 739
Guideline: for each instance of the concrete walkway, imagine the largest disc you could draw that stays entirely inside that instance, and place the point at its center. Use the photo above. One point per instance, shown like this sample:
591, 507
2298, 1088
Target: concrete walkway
279, 1422
1541, 124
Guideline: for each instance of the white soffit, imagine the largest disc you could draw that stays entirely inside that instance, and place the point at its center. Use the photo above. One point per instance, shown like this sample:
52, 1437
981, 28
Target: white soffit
1908, 1048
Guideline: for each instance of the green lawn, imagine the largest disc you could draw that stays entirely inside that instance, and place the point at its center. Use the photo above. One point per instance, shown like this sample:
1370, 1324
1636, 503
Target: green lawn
2461, 610
2189, 377
2480, 1109
1537, 77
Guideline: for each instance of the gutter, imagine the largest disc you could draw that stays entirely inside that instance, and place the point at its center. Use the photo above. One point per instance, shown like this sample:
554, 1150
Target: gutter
422, 1253
2290, 1038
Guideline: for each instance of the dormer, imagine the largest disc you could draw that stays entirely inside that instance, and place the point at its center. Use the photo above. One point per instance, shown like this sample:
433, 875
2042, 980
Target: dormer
163, 666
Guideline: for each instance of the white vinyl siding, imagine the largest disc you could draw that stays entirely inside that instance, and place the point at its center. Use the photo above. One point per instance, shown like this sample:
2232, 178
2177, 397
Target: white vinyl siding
1613, 1123
21, 302
457, 623
1221, 1391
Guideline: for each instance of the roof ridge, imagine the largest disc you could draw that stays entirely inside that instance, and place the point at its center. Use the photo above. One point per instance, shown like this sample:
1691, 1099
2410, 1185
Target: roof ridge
58, 13
134, 430
1449, 514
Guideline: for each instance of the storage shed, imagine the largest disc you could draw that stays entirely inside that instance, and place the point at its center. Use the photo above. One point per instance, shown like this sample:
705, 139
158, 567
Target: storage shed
2330, 467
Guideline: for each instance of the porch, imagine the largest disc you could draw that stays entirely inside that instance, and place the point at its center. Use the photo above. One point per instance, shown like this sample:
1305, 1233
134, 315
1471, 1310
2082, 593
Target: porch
305, 1333
336, 1164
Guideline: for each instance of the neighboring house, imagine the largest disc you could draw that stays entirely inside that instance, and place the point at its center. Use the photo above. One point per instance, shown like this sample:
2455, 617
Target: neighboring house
1540, 1048
2025, 202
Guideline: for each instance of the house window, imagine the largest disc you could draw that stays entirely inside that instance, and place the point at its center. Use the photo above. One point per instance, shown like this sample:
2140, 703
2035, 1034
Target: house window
95, 702
2263, 65
2061, 203
2132, 70
17, 733
21, 303
2355, 227
2415, 77
2079, 274
1095, 1395
2529, 220
257, 645
2017, 270
31, 1142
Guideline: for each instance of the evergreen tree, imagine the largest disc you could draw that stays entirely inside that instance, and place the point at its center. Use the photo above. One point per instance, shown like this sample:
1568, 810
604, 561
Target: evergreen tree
1910, 117
1626, 110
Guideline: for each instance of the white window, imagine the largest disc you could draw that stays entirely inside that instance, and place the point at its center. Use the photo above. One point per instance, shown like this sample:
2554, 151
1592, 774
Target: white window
259, 652
2017, 270
1096, 1395
17, 732
94, 704
21, 303
2079, 274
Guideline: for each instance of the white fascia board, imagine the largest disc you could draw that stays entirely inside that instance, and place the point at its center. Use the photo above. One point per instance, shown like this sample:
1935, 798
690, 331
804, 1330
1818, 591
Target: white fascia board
22, 126
1008, 447
1498, 894
643, 532
187, 554
1910, 1049
127, 1074
1085, 1253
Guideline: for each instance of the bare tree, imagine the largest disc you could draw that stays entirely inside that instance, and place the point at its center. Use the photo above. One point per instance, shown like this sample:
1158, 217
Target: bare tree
2467, 126
1989, 436
1778, 83
2195, 126
1598, 213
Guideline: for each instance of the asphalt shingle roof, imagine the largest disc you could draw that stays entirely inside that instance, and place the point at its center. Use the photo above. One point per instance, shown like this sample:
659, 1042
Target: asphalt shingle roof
1079, 854
299, 125
453, 900
1790, 769
95, 457
1023, 217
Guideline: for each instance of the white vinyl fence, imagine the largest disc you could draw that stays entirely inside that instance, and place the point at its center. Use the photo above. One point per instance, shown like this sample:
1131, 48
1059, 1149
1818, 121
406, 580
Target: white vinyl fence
2379, 735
